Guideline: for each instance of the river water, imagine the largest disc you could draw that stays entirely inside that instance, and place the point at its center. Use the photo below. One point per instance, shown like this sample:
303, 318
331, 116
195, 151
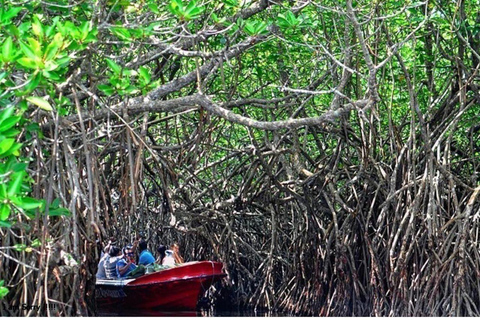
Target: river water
201, 313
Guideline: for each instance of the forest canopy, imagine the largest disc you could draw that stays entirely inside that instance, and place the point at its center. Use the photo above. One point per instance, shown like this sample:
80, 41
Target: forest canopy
326, 152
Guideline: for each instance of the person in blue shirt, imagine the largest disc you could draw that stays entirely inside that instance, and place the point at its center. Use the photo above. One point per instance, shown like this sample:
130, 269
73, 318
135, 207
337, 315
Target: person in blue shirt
146, 257
126, 264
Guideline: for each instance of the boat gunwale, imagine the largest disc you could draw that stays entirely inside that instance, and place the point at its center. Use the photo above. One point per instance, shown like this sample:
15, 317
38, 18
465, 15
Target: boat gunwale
121, 283
128, 281
176, 279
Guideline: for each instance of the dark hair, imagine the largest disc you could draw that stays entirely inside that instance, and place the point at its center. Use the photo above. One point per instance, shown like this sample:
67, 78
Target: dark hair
127, 247
161, 250
142, 245
114, 251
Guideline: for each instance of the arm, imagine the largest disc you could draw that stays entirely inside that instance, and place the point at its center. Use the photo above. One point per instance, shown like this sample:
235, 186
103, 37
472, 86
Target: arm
134, 245
122, 269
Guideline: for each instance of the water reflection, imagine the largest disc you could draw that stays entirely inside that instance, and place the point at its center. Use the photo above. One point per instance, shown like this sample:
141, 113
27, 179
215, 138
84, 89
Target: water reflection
146, 313
200, 313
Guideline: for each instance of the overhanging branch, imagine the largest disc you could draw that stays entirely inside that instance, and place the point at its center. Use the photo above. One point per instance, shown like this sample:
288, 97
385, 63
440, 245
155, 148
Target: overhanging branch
192, 102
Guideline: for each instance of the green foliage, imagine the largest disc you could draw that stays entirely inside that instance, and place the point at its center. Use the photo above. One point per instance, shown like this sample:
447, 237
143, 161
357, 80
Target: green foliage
121, 80
289, 21
186, 13
40, 102
40, 49
255, 28
7, 14
3, 290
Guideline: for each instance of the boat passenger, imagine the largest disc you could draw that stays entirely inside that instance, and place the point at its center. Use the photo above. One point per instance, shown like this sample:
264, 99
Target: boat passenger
169, 260
161, 251
176, 253
101, 264
126, 264
101, 267
146, 257
111, 263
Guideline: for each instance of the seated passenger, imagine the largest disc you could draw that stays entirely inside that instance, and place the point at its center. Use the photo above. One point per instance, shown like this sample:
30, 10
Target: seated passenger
110, 263
101, 267
126, 264
161, 251
146, 257
169, 260
176, 253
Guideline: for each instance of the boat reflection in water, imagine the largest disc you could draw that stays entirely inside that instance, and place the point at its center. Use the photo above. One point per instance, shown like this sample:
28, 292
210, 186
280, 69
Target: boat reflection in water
169, 292
146, 313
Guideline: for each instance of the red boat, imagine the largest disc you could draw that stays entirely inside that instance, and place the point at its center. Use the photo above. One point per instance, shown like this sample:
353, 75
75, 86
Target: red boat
176, 288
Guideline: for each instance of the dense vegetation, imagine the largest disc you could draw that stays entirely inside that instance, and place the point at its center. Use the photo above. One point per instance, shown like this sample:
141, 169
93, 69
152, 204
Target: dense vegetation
326, 152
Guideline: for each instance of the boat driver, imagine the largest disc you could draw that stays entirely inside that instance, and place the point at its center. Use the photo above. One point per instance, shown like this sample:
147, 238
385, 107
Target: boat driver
126, 264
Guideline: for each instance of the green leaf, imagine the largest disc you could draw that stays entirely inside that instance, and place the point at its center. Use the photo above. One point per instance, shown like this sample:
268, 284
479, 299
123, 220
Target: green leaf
29, 63
13, 150
36, 47
154, 7
40, 102
59, 212
16, 183
84, 29
50, 66
34, 82
37, 27
3, 292
10, 133
282, 21
113, 66
6, 113
5, 224
3, 190
145, 74
3, 75
63, 62
6, 144
28, 203
49, 29
192, 11
122, 33
131, 90
55, 204
7, 50
106, 89
36, 243
8, 123
28, 51
176, 8
291, 18
51, 50
254, 28
19, 166
51, 75
4, 211
231, 3
20, 247
11, 13
33, 127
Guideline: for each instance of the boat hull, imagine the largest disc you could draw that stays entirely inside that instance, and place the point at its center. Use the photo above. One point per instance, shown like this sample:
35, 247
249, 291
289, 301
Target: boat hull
177, 288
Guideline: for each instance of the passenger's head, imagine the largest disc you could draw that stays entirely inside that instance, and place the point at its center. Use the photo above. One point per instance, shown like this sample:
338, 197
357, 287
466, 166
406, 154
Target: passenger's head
113, 251
175, 247
128, 250
142, 245
161, 249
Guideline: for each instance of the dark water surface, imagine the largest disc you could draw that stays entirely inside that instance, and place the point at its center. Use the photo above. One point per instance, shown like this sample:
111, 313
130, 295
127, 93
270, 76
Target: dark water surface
202, 313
